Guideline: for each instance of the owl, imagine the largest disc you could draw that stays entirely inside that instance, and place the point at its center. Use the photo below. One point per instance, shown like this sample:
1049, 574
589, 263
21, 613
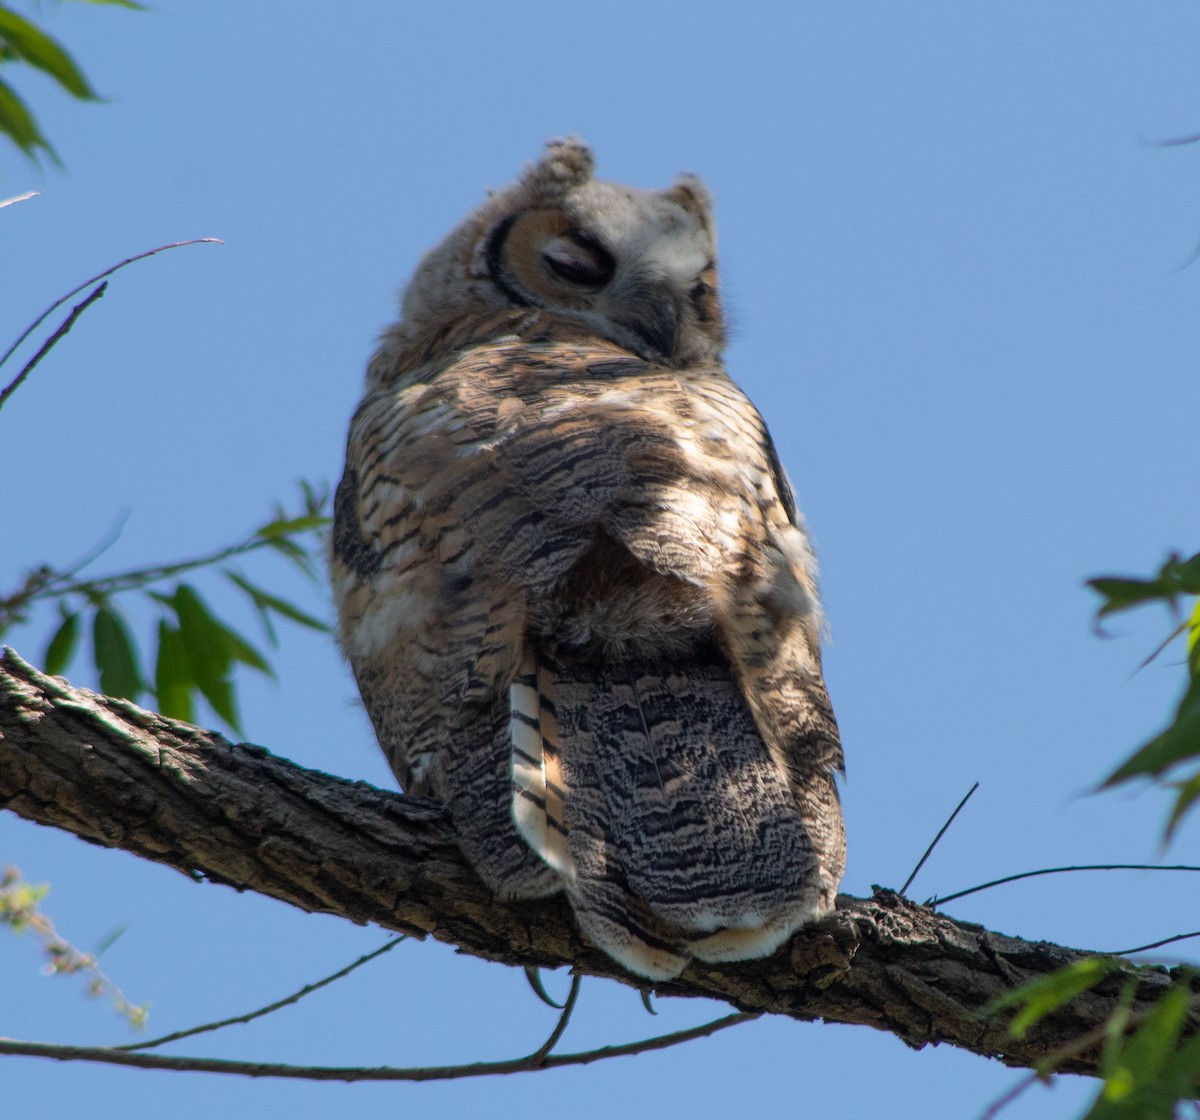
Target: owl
573, 585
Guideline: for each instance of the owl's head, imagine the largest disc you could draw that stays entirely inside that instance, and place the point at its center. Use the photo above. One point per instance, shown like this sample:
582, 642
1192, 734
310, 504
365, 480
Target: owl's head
637, 267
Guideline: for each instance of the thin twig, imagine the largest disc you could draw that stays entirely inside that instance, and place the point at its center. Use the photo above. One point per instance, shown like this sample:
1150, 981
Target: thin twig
941, 833
1181, 628
1191, 259
1152, 945
938, 900
96, 551
540, 1054
22, 198
1005, 1099
57, 588
100, 276
48, 584
113, 1056
48, 345
127, 581
1171, 142
295, 997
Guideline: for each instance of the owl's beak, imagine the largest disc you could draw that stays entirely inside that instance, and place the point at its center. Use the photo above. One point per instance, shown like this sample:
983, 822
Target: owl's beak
654, 319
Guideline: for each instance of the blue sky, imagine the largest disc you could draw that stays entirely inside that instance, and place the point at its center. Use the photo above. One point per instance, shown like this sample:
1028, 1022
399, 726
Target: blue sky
953, 264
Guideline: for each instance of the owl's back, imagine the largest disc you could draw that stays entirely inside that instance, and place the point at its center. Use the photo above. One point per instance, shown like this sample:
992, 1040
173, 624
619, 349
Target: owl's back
573, 586
532, 498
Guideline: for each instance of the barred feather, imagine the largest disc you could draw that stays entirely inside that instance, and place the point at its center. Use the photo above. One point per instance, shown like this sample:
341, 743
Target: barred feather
539, 790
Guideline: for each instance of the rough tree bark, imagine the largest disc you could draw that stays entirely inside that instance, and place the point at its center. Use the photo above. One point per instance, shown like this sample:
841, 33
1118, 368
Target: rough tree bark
121, 777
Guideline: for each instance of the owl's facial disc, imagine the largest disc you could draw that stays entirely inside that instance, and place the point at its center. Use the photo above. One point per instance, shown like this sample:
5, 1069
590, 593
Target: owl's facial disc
542, 258
579, 260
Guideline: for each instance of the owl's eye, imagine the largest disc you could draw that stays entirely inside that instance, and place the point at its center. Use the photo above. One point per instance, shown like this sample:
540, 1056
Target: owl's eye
579, 259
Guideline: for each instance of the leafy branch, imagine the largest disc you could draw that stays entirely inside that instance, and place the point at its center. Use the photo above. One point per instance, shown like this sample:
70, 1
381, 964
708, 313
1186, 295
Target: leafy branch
1149, 1061
22, 42
1179, 743
20, 910
197, 652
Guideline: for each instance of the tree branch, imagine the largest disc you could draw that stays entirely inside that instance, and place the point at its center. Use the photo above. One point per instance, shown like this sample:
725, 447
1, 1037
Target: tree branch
111, 1055
121, 777
269, 1009
64, 329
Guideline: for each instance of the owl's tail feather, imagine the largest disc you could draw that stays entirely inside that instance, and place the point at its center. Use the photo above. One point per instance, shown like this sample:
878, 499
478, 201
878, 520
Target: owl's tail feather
749, 944
686, 835
622, 924
539, 789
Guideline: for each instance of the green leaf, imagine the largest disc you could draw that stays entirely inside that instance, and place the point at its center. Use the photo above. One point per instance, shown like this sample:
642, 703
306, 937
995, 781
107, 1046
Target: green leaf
1193, 642
1116, 1026
208, 652
174, 681
1183, 1071
264, 615
120, 4
62, 646
288, 547
242, 651
1176, 577
116, 656
315, 497
212, 649
1186, 796
291, 526
1147, 1075
1147, 1053
17, 123
293, 550
40, 50
1179, 742
1120, 593
266, 602
1040, 997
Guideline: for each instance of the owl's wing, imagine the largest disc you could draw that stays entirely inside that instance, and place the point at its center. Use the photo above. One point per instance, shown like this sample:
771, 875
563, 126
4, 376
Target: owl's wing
680, 470
471, 496
433, 632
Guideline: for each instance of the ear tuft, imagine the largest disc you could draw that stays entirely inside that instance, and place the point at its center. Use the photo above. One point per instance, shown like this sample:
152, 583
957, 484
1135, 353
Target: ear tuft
690, 193
567, 164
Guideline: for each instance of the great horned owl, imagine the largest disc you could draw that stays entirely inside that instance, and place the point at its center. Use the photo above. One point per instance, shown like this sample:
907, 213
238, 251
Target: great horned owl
573, 585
